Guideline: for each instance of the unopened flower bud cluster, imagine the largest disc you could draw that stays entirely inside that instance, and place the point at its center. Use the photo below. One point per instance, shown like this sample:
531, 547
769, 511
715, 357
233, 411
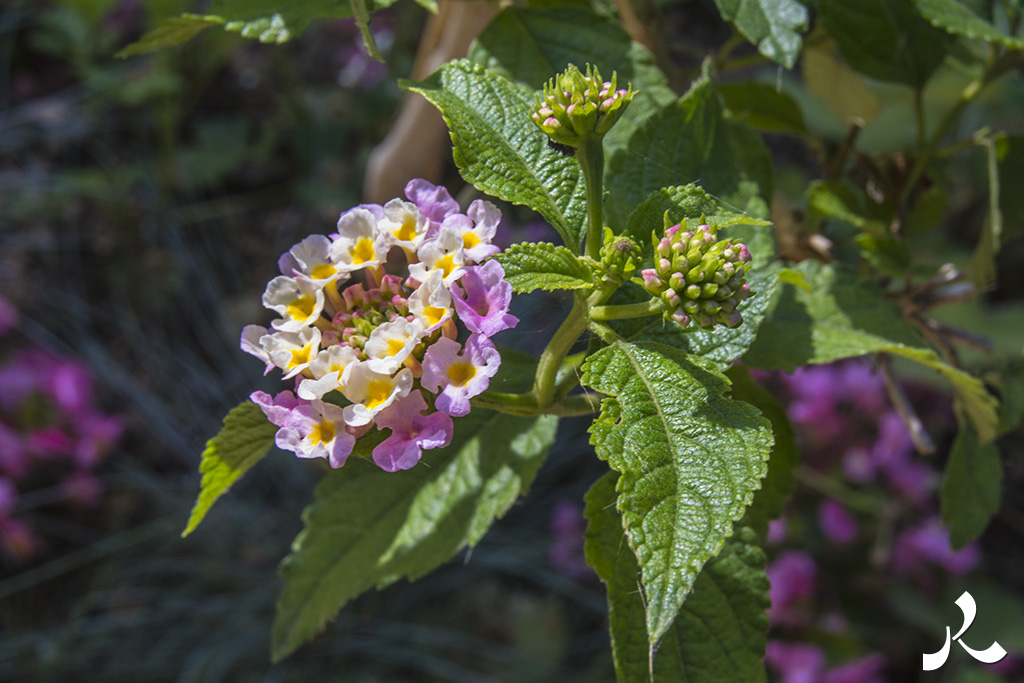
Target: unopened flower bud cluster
700, 278
367, 327
619, 257
575, 107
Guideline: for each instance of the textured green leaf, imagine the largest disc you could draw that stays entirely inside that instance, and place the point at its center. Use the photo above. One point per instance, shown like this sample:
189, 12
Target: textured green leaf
531, 45
719, 634
764, 107
169, 33
971, 487
690, 460
369, 528
774, 26
720, 344
844, 316
885, 39
957, 18
689, 140
243, 441
499, 149
777, 487
539, 265
361, 13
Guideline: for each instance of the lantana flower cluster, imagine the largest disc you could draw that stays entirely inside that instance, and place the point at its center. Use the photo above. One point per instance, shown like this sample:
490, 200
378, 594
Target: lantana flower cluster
368, 327
700, 278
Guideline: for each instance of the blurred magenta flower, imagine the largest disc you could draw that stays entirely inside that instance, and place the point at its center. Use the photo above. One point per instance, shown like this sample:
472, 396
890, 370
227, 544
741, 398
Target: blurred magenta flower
928, 544
795, 662
8, 316
792, 576
566, 549
836, 523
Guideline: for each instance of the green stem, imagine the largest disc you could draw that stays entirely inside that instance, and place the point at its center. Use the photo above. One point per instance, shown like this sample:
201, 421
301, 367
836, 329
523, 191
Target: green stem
590, 156
525, 405
557, 349
637, 310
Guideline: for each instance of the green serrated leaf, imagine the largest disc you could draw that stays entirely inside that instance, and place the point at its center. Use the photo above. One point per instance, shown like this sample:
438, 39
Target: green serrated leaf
689, 457
777, 487
720, 344
169, 33
719, 635
370, 528
774, 26
764, 107
531, 45
362, 16
885, 39
498, 148
844, 316
243, 441
539, 265
957, 18
689, 141
971, 487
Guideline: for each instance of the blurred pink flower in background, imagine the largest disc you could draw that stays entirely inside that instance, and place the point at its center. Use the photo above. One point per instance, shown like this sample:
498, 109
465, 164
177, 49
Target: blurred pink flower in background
566, 550
50, 429
792, 577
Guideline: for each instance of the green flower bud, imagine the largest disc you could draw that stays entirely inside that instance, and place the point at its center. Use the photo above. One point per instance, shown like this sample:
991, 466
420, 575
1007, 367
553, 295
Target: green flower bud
575, 107
700, 278
619, 256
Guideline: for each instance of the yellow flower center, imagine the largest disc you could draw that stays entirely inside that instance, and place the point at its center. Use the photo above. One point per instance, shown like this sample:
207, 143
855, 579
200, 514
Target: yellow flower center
395, 346
323, 432
446, 264
363, 251
433, 314
376, 393
469, 240
323, 271
461, 372
300, 356
301, 308
407, 230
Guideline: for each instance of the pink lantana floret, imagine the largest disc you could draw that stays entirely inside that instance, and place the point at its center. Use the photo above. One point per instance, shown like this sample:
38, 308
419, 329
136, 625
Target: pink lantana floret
277, 408
482, 298
411, 433
433, 200
459, 376
317, 430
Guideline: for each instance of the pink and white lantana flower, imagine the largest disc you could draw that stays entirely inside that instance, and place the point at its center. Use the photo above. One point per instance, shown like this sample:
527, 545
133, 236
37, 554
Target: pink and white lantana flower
460, 373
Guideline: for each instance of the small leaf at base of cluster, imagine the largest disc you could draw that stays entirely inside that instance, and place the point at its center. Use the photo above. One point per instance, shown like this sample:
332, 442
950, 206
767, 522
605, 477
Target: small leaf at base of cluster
246, 438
